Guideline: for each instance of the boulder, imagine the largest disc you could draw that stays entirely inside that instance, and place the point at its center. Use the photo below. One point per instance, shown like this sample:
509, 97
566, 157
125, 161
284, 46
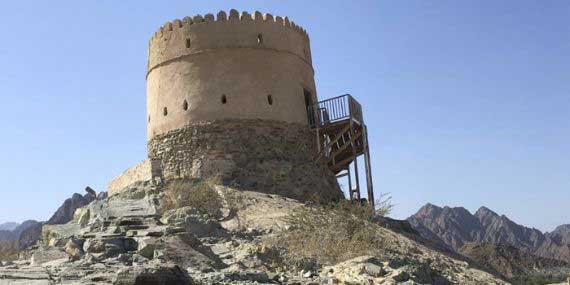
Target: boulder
110, 246
74, 248
90, 191
82, 216
147, 247
94, 246
194, 221
57, 235
102, 196
360, 270
153, 274
46, 254
89, 259
65, 213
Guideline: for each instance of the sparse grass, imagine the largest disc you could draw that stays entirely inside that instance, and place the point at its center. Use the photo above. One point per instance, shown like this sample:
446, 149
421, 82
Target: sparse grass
331, 233
199, 194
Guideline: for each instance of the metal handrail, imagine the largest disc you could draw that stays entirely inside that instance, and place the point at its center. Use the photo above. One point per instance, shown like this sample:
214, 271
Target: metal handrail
336, 109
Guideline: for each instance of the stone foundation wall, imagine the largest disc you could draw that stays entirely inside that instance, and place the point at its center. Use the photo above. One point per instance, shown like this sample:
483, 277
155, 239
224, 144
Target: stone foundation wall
257, 155
144, 171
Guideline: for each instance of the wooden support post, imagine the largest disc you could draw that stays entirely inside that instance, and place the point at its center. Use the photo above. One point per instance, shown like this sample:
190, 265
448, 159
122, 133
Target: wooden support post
349, 183
369, 185
318, 140
355, 156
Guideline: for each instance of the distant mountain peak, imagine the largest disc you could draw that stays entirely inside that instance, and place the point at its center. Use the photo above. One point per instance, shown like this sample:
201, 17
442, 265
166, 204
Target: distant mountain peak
484, 211
430, 206
561, 234
8, 226
432, 210
562, 229
429, 210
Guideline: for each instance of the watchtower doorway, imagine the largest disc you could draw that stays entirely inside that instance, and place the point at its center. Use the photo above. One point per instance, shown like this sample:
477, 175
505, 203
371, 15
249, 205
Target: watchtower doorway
309, 103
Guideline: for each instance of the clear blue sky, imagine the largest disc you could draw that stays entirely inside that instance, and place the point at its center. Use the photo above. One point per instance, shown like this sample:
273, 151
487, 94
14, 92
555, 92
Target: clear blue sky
467, 102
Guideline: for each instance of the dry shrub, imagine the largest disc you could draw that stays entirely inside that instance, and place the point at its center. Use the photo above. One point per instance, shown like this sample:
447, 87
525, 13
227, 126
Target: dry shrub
332, 233
199, 194
8, 250
384, 205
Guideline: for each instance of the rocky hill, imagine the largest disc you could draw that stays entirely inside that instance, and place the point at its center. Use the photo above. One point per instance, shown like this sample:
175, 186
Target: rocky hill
456, 227
29, 232
495, 241
9, 238
510, 260
224, 236
65, 212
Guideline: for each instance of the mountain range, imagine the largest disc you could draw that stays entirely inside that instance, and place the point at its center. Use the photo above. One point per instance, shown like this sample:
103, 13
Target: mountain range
492, 239
13, 231
456, 227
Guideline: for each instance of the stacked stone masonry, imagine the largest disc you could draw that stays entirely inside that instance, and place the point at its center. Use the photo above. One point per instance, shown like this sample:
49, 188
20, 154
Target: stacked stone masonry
147, 170
256, 155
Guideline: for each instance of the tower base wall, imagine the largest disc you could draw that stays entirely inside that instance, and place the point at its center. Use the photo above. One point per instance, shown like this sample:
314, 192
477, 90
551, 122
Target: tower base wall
147, 170
256, 155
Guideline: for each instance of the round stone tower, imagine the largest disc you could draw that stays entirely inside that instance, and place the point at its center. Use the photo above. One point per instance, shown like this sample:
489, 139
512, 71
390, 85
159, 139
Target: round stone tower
228, 97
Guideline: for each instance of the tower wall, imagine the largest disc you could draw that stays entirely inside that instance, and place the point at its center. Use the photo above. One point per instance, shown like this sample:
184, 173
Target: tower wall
232, 67
227, 97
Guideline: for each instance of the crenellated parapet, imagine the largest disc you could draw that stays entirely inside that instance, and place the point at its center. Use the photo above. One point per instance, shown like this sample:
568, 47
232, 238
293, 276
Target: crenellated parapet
209, 33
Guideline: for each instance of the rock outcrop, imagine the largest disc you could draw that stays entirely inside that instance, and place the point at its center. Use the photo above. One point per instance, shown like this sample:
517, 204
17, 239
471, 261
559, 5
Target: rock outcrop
509, 260
29, 232
128, 239
65, 213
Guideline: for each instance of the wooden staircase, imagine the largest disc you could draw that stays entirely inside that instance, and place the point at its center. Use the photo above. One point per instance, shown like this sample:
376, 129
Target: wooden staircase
342, 139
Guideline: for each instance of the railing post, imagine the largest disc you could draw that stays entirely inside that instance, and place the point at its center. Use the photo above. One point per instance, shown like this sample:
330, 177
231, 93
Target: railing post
348, 102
